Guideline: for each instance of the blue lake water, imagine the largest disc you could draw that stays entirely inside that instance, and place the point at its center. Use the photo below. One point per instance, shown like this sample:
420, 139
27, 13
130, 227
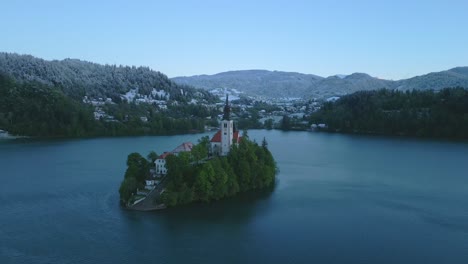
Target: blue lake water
339, 199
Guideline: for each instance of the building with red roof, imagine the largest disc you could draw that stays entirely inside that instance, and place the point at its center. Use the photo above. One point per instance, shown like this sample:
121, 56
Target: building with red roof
160, 162
226, 136
220, 143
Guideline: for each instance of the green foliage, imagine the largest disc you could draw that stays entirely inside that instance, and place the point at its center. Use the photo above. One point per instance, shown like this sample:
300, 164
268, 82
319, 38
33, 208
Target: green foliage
138, 167
200, 151
36, 109
152, 156
39, 110
127, 188
286, 123
417, 113
293, 123
269, 124
204, 183
177, 119
247, 167
135, 175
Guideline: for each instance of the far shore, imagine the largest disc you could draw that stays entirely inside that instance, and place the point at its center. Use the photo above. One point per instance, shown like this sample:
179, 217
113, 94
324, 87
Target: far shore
6, 135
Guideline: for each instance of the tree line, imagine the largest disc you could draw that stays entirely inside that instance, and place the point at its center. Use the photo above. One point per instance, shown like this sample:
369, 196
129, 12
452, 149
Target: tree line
37, 109
430, 113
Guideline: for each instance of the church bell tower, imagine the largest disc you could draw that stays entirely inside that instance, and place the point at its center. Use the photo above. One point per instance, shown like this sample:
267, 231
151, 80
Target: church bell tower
227, 129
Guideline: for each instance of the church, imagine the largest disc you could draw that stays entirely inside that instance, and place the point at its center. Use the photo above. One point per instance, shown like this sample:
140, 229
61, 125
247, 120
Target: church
226, 136
220, 143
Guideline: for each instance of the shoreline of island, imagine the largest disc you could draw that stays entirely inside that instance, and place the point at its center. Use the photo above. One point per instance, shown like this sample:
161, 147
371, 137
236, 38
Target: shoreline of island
223, 166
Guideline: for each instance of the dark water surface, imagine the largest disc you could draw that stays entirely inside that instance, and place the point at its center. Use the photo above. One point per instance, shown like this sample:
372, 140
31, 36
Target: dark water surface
339, 199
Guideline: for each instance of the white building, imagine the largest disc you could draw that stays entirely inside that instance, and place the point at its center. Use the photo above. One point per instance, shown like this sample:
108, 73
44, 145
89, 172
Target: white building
160, 162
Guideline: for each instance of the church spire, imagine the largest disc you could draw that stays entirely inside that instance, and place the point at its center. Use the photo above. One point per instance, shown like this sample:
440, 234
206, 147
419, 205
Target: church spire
227, 110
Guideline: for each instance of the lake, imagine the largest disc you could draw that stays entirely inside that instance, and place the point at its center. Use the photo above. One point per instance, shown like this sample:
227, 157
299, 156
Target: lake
338, 199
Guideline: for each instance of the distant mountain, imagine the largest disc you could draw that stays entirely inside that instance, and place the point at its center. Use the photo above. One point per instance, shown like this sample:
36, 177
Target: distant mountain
77, 78
339, 85
456, 77
276, 84
255, 82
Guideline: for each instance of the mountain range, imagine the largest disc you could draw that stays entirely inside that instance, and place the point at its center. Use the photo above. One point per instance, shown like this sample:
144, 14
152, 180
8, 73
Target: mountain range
77, 78
278, 84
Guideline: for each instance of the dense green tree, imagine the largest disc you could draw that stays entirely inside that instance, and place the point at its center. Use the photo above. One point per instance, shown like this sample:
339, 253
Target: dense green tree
204, 183
152, 156
220, 187
248, 166
200, 151
416, 113
137, 167
127, 188
268, 124
286, 123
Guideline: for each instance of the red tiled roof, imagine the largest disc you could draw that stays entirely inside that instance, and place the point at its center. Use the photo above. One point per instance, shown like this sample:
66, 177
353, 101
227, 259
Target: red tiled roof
216, 137
186, 146
164, 155
236, 136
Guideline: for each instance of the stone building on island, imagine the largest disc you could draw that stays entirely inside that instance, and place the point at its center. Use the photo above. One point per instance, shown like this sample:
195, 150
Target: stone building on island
220, 143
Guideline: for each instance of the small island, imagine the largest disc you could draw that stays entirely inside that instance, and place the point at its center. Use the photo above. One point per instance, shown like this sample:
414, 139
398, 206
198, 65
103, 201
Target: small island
213, 169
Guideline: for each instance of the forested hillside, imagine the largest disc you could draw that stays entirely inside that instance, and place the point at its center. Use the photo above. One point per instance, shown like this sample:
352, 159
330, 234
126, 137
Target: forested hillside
76, 78
416, 113
73, 98
36, 109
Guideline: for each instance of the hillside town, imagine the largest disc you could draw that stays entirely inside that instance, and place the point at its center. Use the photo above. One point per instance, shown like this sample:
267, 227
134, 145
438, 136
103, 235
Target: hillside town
248, 111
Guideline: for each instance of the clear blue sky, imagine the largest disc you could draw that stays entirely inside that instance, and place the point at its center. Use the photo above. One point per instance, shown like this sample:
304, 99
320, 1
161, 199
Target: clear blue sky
387, 39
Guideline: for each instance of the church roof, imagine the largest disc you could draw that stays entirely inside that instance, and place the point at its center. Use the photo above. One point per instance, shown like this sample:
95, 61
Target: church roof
237, 137
217, 137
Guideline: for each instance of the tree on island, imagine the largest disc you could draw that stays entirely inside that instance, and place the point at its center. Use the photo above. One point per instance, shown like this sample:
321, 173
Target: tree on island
196, 177
152, 156
200, 151
135, 175
248, 166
